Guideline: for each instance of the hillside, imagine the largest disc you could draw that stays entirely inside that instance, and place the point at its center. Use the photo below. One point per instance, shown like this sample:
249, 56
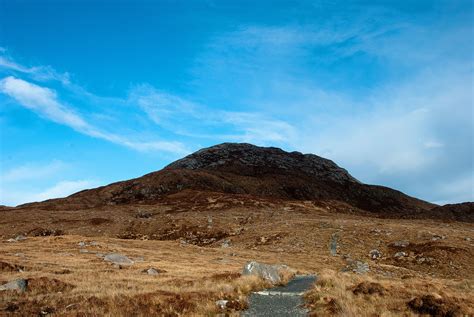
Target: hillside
246, 169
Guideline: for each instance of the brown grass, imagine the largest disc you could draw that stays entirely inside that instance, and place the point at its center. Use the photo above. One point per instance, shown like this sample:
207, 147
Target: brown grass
346, 294
198, 270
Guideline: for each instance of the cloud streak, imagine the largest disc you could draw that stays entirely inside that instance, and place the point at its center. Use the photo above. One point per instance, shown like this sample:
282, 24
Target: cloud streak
44, 102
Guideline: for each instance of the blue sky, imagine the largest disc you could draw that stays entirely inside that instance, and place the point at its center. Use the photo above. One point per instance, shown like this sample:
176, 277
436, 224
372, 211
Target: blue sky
93, 92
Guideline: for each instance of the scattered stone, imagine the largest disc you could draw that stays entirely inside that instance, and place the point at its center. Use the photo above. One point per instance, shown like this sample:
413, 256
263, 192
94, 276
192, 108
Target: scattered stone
118, 259
357, 267
400, 255
15, 285
143, 214
437, 237
375, 254
467, 239
83, 244
333, 244
401, 243
268, 272
425, 260
41, 232
222, 303
151, 271
17, 238
225, 244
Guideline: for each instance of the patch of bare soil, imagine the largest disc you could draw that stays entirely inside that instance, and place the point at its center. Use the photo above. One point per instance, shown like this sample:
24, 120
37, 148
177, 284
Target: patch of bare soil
10, 267
41, 232
369, 288
99, 221
438, 307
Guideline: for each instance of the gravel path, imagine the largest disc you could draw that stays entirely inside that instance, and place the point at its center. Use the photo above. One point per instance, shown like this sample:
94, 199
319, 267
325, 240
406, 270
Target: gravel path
282, 300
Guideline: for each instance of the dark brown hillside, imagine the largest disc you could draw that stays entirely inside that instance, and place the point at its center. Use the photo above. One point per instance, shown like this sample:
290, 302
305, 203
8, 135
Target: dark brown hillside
235, 168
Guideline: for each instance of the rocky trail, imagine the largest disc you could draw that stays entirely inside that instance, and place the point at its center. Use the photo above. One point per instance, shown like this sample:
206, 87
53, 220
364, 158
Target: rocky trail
282, 300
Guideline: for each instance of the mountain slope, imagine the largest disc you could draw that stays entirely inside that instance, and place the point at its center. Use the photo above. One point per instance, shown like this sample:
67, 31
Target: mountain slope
236, 168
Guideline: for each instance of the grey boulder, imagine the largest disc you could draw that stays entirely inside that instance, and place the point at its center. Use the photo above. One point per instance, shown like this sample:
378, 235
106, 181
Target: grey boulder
15, 285
268, 272
118, 259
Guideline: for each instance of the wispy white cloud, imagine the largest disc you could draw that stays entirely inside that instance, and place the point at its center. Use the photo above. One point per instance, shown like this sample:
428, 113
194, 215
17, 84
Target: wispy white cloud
28, 172
17, 196
43, 101
188, 118
40, 73
46, 103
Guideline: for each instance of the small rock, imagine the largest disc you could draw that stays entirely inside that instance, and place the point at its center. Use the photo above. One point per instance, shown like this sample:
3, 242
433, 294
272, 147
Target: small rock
82, 244
118, 259
15, 285
401, 243
20, 238
333, 244
357, 267
375, 254
467, 239
17, 238
225, 244
437, 237
151, 271
222, 303
400, 255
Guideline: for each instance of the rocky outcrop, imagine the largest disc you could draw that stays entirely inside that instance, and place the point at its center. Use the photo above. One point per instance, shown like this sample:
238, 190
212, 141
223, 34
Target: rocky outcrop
250, 160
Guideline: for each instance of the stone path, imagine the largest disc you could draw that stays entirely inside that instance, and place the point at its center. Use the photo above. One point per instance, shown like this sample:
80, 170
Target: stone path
282, 300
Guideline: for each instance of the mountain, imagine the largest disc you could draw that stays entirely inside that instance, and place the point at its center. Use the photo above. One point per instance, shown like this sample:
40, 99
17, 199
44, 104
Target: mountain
236, 168
245, 169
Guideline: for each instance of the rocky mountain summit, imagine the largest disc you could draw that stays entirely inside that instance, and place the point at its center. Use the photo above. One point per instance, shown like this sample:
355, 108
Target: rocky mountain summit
250, 160
246, 169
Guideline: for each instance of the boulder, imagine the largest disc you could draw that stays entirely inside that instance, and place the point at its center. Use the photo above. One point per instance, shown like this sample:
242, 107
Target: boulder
268, 272
15, 285
118, 259
375, 254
